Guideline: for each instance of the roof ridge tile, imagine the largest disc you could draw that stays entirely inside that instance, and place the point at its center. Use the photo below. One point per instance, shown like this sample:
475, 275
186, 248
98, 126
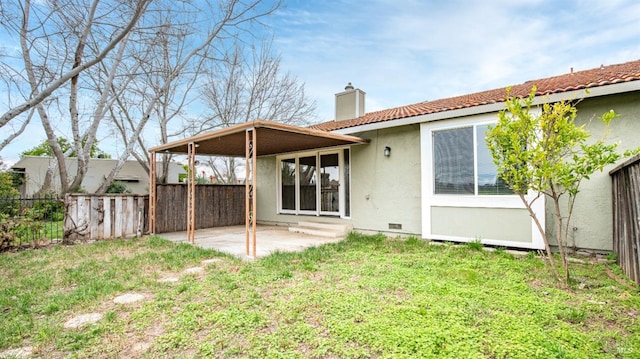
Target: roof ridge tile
599, 76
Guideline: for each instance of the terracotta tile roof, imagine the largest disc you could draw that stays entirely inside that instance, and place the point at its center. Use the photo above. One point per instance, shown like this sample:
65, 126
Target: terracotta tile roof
604, 75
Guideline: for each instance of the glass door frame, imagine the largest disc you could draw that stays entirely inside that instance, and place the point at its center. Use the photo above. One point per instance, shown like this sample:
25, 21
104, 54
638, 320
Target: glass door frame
341, 196
341, 186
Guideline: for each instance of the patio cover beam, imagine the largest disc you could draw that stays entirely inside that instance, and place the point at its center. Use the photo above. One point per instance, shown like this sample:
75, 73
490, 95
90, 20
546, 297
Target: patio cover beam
241, 141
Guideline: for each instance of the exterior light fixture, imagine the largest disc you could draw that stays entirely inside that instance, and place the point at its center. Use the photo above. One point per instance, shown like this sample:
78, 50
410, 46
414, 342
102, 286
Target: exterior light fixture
387, 151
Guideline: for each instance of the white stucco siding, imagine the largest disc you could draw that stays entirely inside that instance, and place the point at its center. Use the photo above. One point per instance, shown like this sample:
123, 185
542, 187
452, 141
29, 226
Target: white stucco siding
131, 173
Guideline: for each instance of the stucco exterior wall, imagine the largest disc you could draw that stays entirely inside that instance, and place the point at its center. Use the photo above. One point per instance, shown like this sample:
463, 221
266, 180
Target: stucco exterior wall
131, 173
267, 192
591, 224
500, 224
386, 190
383, 189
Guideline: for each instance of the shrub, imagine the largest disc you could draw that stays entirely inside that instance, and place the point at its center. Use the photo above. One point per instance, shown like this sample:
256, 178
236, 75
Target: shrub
7, 237
50, 208
118, 187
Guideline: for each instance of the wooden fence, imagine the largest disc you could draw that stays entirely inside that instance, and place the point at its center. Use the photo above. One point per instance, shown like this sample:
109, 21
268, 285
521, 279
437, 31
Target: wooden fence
105, 216
626, 216
216, 206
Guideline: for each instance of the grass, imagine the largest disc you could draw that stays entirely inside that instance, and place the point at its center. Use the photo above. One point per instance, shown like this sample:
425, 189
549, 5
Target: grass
367, 296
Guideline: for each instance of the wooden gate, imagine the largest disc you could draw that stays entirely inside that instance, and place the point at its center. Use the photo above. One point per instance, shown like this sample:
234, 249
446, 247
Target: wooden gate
105, 216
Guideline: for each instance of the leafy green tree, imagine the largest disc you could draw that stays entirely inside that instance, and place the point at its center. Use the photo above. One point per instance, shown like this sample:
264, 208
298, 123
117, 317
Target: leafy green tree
8, 193
548, 154
44, 149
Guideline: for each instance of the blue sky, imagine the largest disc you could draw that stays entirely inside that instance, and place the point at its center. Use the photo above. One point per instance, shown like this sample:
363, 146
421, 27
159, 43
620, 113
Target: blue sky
406, 51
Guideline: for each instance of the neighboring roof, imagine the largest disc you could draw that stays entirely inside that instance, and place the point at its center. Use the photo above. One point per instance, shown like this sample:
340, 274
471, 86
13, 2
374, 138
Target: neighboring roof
601, 76
27, 158
271, 138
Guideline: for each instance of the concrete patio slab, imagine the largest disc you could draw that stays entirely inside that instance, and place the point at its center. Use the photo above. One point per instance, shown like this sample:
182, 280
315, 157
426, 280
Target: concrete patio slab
268, 240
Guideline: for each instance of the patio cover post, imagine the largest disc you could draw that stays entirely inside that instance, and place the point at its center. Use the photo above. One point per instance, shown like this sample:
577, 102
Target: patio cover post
152, 193
191, 184
250, 190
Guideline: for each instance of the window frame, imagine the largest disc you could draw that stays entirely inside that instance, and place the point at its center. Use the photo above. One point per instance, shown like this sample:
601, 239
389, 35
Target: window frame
340, 151
475, 142
431, 200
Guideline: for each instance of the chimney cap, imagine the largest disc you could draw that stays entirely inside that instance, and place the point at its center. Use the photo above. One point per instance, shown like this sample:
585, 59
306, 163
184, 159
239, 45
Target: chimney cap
348, 87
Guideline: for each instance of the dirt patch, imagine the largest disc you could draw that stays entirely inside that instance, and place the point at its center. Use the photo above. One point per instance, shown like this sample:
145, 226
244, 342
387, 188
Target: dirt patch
137, 345
211, 261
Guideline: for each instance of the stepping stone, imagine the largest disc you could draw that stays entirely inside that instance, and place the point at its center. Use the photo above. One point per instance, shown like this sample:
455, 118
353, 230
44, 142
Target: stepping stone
128, 298
82, 320
168, 280
207, 262
24, 352
194, 270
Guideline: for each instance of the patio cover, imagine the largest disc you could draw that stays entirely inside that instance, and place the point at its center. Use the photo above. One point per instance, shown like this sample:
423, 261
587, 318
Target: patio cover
251, 139
273, 137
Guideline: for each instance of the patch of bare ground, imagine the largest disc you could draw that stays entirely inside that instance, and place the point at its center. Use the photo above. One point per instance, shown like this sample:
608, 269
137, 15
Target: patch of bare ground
137, 343
211, 261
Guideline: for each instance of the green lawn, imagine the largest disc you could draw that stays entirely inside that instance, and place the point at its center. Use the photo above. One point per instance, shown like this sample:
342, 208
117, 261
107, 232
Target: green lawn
367, 296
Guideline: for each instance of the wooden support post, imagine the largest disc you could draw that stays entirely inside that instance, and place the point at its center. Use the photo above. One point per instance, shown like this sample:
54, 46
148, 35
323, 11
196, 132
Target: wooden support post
191, 184
152, 193
250, 191
247, 190
254, 187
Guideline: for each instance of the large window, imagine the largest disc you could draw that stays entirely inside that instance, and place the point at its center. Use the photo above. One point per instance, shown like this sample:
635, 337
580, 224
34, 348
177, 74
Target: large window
315, 183
463, 164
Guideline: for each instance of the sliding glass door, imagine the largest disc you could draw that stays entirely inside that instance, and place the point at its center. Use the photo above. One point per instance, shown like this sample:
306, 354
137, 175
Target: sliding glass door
313, 183
329, 183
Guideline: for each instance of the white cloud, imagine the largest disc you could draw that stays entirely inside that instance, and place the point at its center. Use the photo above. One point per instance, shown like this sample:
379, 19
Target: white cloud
402, 52
406, 51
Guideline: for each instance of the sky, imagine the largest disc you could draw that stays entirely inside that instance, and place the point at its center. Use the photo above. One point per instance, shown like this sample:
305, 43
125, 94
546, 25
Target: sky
405, 51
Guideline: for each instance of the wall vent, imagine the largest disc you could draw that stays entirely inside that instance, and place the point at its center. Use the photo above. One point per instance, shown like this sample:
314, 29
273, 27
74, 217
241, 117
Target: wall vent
395, 226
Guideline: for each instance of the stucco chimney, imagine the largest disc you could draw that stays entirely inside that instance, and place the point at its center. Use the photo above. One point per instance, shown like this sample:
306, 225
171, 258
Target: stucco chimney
350, 103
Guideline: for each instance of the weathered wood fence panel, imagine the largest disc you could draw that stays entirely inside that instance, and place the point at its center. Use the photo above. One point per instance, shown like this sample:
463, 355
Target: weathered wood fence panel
117, 216
626, 216
105, 216
216, 206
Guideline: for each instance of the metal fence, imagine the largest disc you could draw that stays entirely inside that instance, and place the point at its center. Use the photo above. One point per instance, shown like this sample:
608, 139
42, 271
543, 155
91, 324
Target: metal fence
30, 221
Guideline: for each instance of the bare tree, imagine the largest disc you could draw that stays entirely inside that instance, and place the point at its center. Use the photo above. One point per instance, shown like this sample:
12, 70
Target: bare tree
246, 87
16, 18
159, 47
178, 51
53, 38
